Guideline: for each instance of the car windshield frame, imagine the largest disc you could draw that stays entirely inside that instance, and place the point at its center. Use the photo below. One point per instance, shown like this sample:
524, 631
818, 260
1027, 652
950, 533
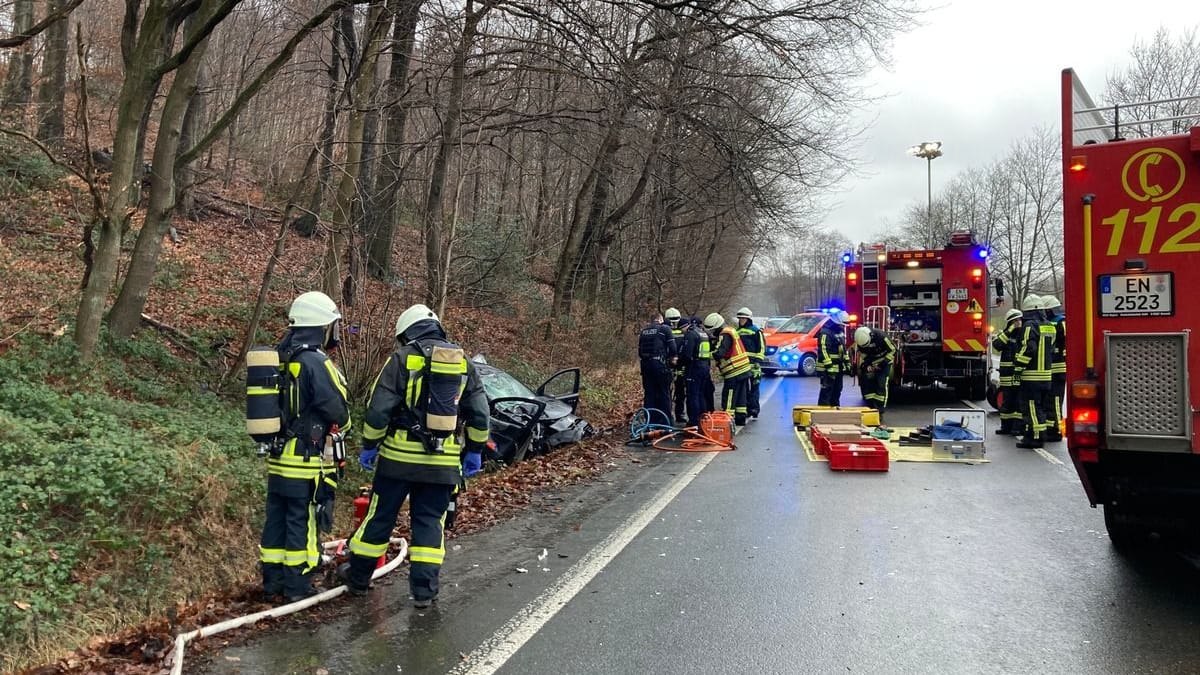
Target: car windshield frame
806, 321
511, 385
775, 322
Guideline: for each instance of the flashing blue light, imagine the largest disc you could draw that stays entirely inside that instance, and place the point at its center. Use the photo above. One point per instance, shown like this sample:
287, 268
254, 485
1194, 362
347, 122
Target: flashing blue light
847, 258
982, 253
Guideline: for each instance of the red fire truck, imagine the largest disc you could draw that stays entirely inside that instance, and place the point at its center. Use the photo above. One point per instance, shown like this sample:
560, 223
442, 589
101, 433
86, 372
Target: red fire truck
933, 304
1131, 217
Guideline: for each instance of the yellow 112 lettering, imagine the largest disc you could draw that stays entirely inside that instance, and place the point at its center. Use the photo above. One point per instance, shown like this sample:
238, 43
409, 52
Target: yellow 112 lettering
1186, 216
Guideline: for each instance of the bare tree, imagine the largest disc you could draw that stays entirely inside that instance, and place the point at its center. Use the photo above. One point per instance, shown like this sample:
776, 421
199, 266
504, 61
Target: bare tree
1165, 68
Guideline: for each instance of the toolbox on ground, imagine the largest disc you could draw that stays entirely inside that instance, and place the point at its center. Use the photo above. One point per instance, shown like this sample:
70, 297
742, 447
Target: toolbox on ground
961, 449
865, 455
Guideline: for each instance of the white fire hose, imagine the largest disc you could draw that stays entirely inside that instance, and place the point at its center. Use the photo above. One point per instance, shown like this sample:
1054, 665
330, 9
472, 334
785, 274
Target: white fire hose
175, 658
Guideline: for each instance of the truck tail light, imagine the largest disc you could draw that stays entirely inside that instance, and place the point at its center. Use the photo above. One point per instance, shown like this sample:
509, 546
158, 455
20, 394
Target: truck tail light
1084, 434
977, 277
852, 279
853, 319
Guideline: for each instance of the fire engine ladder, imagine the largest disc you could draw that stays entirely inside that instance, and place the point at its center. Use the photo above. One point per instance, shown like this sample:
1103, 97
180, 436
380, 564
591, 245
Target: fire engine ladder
870, 282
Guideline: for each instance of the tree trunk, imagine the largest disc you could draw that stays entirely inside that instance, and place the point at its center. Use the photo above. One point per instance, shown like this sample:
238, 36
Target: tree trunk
381, 225
143, 54
185, 175
131, 302
343, 211
329, 124
436, 260
52, 89
18, 84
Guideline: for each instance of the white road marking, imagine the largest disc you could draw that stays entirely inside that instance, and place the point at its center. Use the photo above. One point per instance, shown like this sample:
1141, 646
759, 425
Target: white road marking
490, 656
1048, 457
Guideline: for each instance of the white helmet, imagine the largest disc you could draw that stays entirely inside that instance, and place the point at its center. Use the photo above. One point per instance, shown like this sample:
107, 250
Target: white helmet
744, 313
840, 318
1012, 315
412, 315
862, 335
313, 308
1031, 303
1049, 302
671, 314
714, 321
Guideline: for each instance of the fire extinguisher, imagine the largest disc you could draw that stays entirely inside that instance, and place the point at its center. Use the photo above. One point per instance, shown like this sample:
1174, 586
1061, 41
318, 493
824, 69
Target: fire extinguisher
361, 503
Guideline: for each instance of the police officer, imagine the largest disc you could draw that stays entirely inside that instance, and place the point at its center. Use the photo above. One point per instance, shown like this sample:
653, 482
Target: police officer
301, 477
656, 350
1007, 342
752, 339
831, 358
877, 355
1033, 364
1055, 317
697, 363
412, 459
678, 376
733, 363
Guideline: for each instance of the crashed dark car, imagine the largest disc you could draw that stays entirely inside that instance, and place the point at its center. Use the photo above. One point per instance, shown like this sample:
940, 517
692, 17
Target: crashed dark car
525, 422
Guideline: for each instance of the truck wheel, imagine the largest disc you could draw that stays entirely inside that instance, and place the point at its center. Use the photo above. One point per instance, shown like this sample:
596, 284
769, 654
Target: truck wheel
808, 365
1125, 532
993, 397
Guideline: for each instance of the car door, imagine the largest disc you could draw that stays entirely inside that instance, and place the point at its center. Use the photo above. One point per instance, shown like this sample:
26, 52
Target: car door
562, 386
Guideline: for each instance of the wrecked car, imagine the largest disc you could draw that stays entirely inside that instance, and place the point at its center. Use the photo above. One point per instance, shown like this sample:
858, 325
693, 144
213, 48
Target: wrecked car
527, 423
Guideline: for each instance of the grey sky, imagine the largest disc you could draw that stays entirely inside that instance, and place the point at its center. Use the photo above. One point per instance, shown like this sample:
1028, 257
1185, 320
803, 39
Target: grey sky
977, 75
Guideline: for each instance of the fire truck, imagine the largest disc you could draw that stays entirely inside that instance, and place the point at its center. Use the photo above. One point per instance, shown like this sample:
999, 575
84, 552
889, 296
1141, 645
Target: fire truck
933, 304
1131, 217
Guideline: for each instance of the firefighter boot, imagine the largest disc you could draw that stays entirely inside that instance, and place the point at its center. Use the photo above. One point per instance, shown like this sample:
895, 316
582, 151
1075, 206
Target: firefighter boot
1029, 441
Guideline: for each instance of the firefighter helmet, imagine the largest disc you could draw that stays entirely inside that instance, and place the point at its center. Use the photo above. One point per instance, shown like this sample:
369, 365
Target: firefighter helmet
671, 314
412, 315
313, 308
1011, 316
862, 335
1050, 302
744, 313
1031, 303
714, 321
840, 318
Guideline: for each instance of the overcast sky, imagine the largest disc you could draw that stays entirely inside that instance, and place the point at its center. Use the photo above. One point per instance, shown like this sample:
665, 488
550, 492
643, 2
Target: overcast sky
977, 75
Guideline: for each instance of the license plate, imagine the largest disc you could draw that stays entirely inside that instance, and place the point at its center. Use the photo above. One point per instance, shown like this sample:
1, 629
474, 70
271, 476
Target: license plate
1137, 294
956, 294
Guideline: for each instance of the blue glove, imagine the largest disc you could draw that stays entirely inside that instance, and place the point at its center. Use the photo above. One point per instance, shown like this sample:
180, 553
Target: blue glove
472, 464
368, 457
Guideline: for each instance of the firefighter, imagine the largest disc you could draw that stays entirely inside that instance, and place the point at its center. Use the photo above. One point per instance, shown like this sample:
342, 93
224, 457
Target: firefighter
656, 350
678, 376
733, 363
877, 356
301, 477
697, 362
756, 346
425, 391
1006, 343
1033, 363
831, 358
1056, 318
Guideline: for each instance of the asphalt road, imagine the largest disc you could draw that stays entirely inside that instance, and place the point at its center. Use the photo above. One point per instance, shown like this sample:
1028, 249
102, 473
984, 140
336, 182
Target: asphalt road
762, 561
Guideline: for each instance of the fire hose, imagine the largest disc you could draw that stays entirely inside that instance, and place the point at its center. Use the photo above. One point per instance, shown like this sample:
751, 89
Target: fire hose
175, 658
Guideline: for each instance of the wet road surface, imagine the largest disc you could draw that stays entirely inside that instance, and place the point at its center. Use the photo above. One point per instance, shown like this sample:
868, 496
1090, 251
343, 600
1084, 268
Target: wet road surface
762, 561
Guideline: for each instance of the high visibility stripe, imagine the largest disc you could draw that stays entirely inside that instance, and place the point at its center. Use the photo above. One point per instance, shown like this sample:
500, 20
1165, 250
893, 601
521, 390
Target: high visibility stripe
426, 554
477, 435
270, 555
360, 547
737, 363
975, 345
339, 380
262, 391
952, 346
448, 368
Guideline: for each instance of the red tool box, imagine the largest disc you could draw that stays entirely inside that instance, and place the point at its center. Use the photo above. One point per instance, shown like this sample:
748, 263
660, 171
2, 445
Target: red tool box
865, 455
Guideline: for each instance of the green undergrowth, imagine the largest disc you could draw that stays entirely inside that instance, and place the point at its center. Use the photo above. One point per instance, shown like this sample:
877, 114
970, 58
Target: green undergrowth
128, 486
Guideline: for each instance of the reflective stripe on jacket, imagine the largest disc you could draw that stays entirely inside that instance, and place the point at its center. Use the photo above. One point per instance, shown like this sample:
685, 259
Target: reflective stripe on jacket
732, 359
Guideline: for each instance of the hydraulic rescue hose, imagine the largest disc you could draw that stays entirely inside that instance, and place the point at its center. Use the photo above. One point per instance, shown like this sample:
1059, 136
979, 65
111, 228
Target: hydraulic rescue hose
181, 640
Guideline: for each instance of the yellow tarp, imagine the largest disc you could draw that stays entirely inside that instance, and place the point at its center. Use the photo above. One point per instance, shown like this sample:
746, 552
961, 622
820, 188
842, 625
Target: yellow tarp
896, 452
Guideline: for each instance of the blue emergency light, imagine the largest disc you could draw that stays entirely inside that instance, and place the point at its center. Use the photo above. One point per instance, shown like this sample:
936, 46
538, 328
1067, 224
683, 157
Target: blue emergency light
982, 253
847, 258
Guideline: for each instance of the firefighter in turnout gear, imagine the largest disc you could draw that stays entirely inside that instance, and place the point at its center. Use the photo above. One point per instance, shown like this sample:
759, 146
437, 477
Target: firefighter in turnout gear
678, 376
831, 358
656, 350
1033, 364
1058, 370
733, 363
756, 346
426, 390
1006, 343
301, 474
877, 355
697, 364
